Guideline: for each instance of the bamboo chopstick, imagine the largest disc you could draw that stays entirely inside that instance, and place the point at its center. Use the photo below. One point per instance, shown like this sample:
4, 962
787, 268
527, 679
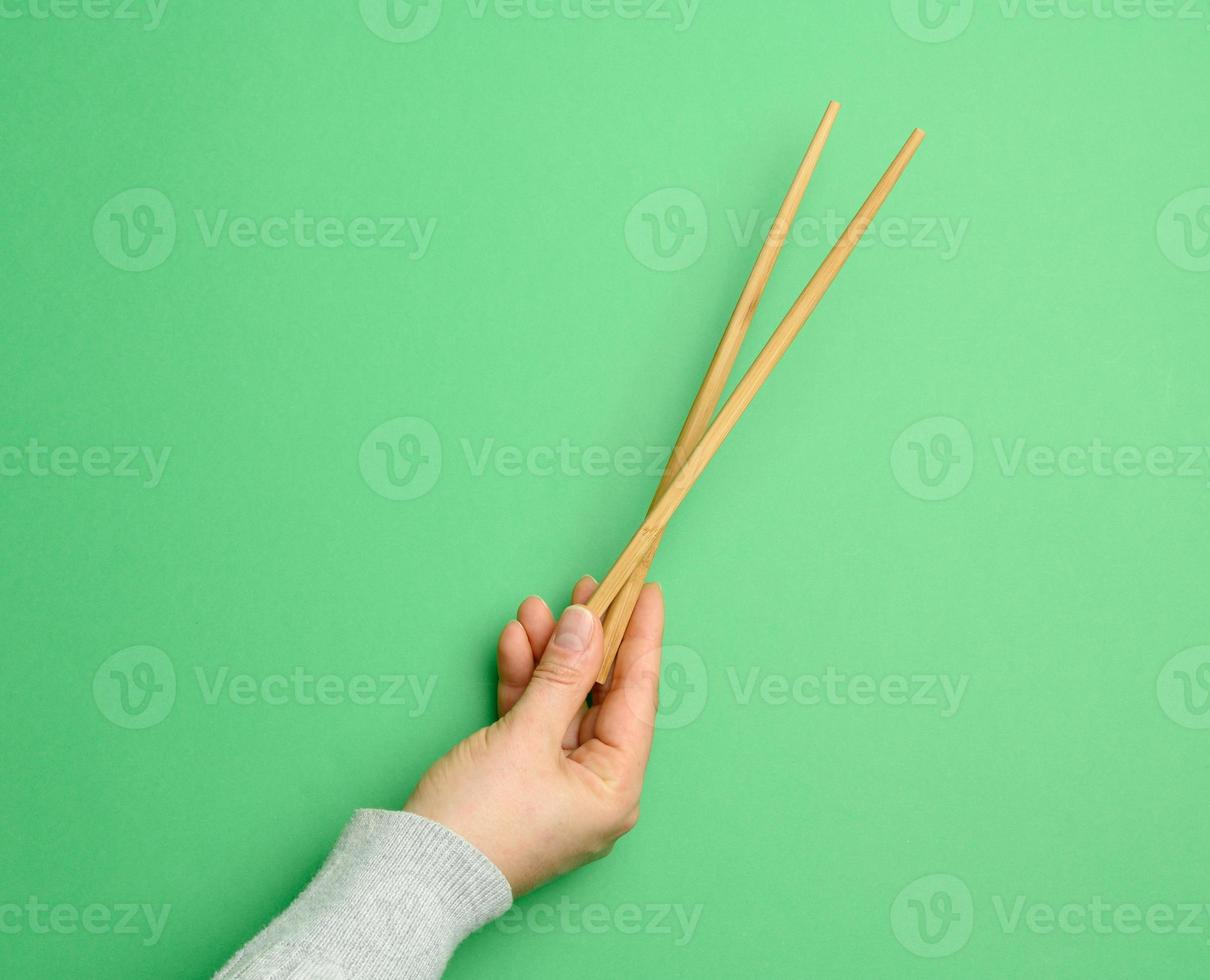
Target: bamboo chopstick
705, 403
749, 385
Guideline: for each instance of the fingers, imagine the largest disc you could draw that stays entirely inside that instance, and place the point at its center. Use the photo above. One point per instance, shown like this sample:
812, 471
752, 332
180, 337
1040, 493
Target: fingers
539, 623
521, 643
520, 649
583, 590
626, 720
515, 664
580, 594
564, 674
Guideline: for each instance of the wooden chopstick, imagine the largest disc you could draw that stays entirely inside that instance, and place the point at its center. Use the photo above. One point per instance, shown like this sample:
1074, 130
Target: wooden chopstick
705, 403
749, 385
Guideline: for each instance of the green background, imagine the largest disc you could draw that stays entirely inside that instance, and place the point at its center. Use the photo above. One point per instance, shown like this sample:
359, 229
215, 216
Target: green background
1072, 310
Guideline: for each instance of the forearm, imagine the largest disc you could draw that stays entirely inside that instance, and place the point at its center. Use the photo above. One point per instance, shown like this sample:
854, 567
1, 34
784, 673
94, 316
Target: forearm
395, 897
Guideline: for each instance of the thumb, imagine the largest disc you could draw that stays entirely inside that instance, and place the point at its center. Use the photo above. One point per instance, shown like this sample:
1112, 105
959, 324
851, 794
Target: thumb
565, 674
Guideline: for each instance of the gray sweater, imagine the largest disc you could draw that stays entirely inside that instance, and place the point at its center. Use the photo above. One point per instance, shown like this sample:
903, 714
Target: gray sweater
393, 900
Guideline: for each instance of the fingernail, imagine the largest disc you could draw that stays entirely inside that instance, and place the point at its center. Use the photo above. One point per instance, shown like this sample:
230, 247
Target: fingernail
574, 629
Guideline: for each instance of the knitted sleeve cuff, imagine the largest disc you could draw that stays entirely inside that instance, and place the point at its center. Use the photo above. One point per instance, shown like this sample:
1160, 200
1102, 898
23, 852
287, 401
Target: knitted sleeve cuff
393, 900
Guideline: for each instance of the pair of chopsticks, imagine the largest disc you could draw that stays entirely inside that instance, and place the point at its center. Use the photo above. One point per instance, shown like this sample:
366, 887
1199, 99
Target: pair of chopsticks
700, 438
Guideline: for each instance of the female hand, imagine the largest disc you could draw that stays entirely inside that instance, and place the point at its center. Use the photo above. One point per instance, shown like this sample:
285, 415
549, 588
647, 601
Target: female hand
553, 783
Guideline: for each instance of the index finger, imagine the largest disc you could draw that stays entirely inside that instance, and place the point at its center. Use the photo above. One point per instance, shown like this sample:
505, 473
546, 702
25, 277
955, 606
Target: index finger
627, 715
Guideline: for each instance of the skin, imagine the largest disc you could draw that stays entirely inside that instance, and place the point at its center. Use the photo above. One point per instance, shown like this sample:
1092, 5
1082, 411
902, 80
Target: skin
555, 781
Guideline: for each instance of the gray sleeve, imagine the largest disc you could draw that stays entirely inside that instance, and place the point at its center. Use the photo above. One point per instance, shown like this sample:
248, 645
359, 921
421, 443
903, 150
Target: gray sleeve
394, 898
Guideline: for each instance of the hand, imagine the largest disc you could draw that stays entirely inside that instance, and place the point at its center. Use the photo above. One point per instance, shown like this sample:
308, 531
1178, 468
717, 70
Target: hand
554, 783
